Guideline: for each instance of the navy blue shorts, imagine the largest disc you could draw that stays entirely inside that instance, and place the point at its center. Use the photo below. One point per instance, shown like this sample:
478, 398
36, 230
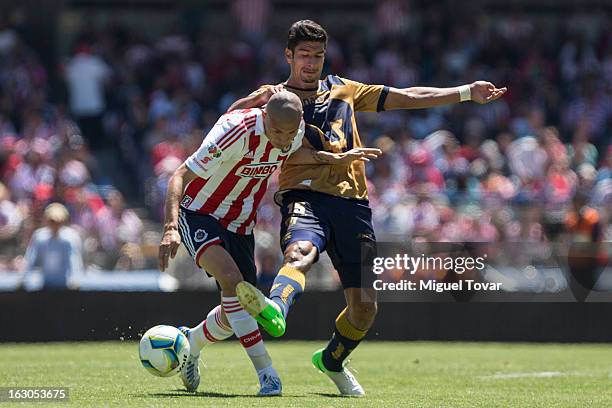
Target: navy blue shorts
200, 231
340, 226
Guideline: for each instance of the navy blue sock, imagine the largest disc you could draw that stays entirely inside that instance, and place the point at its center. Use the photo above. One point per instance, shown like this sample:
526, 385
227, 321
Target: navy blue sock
345, 339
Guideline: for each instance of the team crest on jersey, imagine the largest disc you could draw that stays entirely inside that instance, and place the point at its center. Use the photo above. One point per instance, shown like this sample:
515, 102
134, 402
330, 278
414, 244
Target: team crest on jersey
200, 235
186, 201
257, 170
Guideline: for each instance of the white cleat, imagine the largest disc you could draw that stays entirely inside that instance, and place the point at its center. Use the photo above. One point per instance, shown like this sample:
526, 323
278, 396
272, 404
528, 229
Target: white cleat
270, 384
345, 380
190, 374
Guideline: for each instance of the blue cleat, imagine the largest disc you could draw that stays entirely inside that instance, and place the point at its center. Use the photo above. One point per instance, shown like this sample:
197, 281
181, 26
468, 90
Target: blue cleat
270, 384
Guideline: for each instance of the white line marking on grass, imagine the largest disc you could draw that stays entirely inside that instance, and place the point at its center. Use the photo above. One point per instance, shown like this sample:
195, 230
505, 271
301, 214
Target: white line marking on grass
537, 374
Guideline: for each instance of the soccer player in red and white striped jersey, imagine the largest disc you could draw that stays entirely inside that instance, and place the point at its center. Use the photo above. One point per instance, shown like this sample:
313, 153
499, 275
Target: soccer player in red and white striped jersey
221, 185
219, 188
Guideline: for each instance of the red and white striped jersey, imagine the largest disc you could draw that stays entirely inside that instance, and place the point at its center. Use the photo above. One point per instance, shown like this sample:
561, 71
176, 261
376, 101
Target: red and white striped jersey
233, 165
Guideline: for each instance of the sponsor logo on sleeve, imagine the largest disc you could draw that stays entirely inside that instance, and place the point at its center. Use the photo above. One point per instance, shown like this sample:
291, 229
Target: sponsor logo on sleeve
213, 152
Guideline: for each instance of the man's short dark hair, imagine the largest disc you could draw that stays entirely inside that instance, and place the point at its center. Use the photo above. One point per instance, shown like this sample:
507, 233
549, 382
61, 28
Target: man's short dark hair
305, 30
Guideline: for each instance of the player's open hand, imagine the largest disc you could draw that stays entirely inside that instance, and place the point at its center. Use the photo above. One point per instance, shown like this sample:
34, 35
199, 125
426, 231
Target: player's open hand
364, 154
168, 247
269, 91
485, 92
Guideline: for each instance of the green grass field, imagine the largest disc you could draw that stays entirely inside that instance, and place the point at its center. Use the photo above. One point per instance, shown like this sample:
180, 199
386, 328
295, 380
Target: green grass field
419, 374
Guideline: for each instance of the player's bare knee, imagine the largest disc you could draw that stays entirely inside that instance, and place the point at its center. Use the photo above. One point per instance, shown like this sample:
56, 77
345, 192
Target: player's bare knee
300, 255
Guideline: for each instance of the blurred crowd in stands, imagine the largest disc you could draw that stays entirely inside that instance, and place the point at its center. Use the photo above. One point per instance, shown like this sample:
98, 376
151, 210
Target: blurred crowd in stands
132, 108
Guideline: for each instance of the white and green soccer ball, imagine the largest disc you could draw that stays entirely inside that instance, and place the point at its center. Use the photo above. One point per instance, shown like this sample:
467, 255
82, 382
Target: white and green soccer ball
164, 350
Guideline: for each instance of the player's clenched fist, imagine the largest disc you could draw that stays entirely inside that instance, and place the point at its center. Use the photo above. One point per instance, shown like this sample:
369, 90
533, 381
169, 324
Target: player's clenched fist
168, 247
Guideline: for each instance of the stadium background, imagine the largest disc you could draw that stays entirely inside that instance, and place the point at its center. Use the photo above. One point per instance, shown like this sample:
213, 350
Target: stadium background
104, 140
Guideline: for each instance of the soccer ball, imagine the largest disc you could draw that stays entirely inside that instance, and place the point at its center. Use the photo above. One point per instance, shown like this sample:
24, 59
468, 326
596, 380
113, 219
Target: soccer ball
164, 350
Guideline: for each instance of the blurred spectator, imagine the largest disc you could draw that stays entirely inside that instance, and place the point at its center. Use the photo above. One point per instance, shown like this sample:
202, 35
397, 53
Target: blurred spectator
392, 16
120, 232
87, 75
8, 37
592, 110
56, 249
11, 220
586, 255
252, 17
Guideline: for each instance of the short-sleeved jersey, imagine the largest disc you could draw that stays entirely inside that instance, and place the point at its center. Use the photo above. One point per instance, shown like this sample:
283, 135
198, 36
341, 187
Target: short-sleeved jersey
331, 126
233, 165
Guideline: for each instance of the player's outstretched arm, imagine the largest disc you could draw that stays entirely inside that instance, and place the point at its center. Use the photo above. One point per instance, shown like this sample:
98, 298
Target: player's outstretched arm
171, 238
306, 155
427, 97
256, 99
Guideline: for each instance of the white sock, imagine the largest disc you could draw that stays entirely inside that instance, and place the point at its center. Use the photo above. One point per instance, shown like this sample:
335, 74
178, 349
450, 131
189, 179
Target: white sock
248, 333
209, 331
